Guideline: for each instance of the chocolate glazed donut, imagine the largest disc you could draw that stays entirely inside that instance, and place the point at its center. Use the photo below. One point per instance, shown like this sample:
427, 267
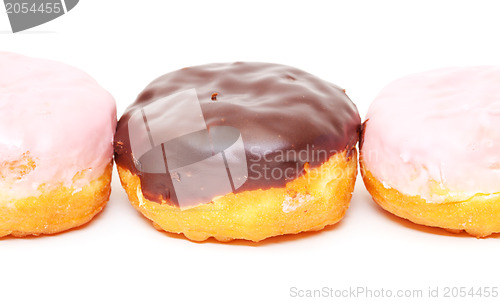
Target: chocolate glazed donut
279, 120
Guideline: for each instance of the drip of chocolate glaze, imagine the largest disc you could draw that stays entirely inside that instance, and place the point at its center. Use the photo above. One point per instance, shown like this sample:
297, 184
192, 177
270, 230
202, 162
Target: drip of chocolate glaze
286, 118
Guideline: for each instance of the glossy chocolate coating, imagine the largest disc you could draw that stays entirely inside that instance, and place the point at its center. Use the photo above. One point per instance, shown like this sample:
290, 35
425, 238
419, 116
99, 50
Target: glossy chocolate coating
286, 118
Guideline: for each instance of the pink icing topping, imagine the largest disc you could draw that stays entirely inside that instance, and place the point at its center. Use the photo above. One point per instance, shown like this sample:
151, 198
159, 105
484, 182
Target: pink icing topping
437, 134
55, 122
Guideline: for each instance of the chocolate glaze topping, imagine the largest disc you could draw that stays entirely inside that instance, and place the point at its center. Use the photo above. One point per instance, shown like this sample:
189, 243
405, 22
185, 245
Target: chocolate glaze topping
285, 118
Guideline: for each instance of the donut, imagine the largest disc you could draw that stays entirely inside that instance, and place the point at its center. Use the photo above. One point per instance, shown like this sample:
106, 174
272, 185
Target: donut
56, 146
239, 151
430, 149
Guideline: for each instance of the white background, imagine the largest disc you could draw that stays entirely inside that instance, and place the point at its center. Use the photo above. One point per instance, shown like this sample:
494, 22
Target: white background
359, 45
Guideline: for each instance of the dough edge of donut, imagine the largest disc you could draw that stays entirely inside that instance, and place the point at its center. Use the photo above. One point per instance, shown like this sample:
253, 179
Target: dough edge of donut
56, 210
258, 214
478, 216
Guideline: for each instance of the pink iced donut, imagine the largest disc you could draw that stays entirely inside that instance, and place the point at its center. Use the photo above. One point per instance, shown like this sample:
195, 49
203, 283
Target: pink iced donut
431, 149
56, 137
